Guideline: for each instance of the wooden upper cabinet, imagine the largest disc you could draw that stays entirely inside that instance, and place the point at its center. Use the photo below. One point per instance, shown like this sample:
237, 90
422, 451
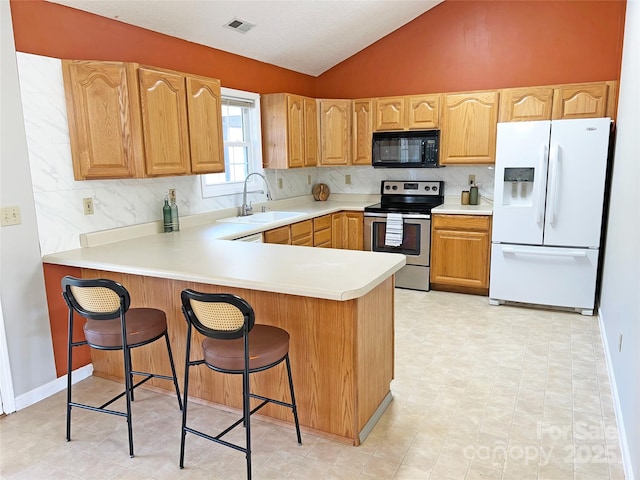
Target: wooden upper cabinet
423, 111
468, 128
390, 113
580, 101
413, 112
104, 119
362, 128
289, 131
335, 132
295, 130
310, 132
163, 102
205, 125
526, 104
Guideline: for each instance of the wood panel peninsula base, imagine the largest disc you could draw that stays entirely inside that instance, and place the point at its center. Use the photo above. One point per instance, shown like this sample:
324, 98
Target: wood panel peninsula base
341, 353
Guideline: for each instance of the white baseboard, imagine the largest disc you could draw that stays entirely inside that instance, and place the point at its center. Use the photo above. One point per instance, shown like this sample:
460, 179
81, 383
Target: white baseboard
48, 389
624, 446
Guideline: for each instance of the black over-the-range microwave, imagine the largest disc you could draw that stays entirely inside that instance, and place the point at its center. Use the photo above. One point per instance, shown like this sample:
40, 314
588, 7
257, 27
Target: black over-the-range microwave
411, 149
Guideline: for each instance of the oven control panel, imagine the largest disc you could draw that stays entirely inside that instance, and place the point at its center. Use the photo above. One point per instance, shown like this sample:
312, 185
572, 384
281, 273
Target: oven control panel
413, 187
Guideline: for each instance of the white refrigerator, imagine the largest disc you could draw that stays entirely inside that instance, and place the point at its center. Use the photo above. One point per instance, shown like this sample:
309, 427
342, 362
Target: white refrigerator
547, 212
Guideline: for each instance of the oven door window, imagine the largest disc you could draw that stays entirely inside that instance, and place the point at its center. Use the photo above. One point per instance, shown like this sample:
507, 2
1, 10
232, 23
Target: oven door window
410, 238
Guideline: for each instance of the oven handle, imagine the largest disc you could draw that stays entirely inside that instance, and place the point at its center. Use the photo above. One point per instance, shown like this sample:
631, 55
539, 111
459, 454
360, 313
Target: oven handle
417, 216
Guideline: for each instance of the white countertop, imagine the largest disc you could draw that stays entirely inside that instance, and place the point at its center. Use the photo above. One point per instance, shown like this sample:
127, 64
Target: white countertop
452, 206
201, 253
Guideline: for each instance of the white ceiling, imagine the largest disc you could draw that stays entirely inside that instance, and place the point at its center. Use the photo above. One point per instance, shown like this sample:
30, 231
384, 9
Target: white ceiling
307, 36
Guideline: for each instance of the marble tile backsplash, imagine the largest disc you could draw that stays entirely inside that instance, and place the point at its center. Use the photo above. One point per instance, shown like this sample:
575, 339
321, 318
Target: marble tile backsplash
117, 203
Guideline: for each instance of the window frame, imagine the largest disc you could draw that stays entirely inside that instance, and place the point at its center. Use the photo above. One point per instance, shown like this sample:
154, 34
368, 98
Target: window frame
255, 152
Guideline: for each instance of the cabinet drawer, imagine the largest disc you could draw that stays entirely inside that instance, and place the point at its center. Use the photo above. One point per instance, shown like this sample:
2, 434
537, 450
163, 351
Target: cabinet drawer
322, 223
301, 229
462, 222
278, 235
322, 238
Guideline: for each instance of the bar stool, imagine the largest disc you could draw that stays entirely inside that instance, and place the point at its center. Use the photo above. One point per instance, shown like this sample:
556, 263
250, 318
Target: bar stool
233, 344
112, 325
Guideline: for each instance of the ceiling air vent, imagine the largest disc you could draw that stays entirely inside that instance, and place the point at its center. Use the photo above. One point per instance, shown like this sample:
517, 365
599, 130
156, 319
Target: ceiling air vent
239, 25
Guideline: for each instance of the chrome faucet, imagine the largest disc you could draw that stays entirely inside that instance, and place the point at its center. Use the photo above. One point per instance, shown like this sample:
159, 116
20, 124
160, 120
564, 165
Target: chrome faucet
248, 209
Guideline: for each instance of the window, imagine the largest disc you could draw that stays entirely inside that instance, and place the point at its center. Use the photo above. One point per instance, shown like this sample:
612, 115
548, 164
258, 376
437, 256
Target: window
242, 145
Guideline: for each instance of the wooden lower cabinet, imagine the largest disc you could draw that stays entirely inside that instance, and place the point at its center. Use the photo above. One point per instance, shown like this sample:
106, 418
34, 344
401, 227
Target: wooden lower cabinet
348, 230
322, 231
302, 233
281, 235
460, 253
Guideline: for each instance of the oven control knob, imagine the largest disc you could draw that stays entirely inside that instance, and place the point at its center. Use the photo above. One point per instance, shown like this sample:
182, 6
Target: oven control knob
435, 188
427, 188
387, 187
395, 187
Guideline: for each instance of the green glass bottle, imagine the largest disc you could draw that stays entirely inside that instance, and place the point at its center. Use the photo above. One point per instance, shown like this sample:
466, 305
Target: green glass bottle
166, 215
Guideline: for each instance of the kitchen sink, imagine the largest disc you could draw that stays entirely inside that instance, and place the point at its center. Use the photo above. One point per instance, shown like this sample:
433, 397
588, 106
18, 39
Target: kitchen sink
263, 217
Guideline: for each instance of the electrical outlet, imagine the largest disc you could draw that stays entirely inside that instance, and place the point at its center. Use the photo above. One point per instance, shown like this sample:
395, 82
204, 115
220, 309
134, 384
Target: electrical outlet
87, 205
279, 183
620, 342
472, 179
308, 179
172, 194
347, 179
11, 216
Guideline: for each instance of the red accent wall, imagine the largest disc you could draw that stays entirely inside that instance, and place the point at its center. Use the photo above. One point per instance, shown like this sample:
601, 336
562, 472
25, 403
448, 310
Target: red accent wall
53, 30
477, 45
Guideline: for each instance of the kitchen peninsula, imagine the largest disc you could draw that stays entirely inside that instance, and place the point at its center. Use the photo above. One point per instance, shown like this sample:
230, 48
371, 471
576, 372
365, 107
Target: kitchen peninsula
336, 304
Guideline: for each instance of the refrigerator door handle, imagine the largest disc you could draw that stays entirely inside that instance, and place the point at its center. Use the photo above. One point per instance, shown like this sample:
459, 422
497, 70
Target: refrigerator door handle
554, 166
524, 251
539, 211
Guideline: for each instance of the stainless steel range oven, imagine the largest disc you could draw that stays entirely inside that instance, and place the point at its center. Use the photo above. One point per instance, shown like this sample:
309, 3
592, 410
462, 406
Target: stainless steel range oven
401, 223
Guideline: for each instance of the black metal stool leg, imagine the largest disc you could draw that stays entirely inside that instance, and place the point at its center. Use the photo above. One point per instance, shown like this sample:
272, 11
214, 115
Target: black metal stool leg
128, 395
69, 369
247, 418
293, 400
173, 370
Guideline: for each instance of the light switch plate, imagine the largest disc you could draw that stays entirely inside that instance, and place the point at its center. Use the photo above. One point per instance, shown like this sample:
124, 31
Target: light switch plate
11, 216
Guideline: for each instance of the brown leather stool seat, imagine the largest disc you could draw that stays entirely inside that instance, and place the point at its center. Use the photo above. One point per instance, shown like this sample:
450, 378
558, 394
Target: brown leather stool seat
267, 345
233, 344
143, 325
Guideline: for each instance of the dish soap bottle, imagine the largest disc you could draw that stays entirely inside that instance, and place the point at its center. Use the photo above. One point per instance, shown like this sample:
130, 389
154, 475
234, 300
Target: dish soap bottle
166, 214
175, 220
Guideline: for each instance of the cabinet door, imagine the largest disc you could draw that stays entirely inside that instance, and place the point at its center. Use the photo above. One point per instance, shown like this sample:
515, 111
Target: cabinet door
460, 250
362, 126
468, 128
310, 132
335, 132
390, 113
205, 125
337, 230
526, 104
295, 131
104, 119
281, 235
580, 101
354, 230
164, 119
423, 111
302, 233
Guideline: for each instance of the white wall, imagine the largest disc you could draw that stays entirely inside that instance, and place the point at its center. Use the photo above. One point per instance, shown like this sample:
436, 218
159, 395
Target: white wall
620, 295
22, 294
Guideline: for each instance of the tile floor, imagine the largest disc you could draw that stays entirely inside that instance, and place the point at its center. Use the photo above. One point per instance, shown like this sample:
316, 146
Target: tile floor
480, 392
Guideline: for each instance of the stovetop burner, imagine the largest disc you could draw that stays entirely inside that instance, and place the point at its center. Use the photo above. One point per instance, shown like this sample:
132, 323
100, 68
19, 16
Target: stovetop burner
408, 196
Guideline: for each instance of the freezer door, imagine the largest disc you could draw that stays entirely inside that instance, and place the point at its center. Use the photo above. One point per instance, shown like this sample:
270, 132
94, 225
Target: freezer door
560, 277
575, 194
520, 182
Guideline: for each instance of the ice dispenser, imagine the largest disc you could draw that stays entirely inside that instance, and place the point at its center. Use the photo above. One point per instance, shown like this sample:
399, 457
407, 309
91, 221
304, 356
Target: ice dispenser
518, 186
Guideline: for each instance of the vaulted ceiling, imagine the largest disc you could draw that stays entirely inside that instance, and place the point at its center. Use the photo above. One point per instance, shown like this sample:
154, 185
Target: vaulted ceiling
307, 36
